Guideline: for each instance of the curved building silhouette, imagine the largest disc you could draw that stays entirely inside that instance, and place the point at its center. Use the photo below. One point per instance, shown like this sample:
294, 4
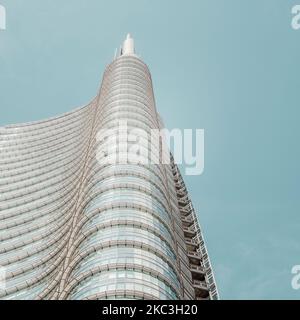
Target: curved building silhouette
77, 225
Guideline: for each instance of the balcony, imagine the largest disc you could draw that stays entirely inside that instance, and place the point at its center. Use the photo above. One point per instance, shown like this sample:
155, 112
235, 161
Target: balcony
195, 258
201, 284
180, 193
183, 203
184, 211
191, 244
197, 269
194, 255
189, 232
201, 289
198, 272
183, 197
187, 220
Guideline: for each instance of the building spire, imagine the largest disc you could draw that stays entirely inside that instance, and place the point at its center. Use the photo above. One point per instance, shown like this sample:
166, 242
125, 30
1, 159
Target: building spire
128, 46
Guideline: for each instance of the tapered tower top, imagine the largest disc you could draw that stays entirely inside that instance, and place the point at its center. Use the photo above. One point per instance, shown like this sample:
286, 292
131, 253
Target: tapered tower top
128, 47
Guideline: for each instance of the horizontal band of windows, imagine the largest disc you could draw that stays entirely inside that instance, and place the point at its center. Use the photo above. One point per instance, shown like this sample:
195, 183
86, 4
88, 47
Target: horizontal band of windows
133, 91
127, 116
23, 128
124, 87
15, 160
136, 86
115, 255
132, 137
124, 80
99, 246
20, 142
122, 295
127, 81
62, 175
131, 97
14, 176
143, 151
139, 71
58, 200
45, 196
149, 278
136, 219
157, 194
64, 118
127, 176
130, 108
152, 171
19, 190
28, 214
35, 247
120, 115
123, 69
149, 171
128, 67
125, 217
138, 260
128, 61
19, 269
24, 159
127, 102
130, 123
21, 278
123, 224
141, 202
134, 195
38, 224
126, 233
147, 101
37, 147
37, 187
148, 287
121, 207
27, 293
27, 285
41, 233
37, 169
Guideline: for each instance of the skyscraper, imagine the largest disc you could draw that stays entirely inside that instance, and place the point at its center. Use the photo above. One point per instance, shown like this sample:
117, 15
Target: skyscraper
77, 225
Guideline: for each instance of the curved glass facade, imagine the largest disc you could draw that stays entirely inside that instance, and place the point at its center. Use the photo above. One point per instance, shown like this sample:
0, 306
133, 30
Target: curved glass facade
76, 225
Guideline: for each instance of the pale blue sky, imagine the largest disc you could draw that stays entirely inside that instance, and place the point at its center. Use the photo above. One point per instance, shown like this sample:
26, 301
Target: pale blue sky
230, 67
